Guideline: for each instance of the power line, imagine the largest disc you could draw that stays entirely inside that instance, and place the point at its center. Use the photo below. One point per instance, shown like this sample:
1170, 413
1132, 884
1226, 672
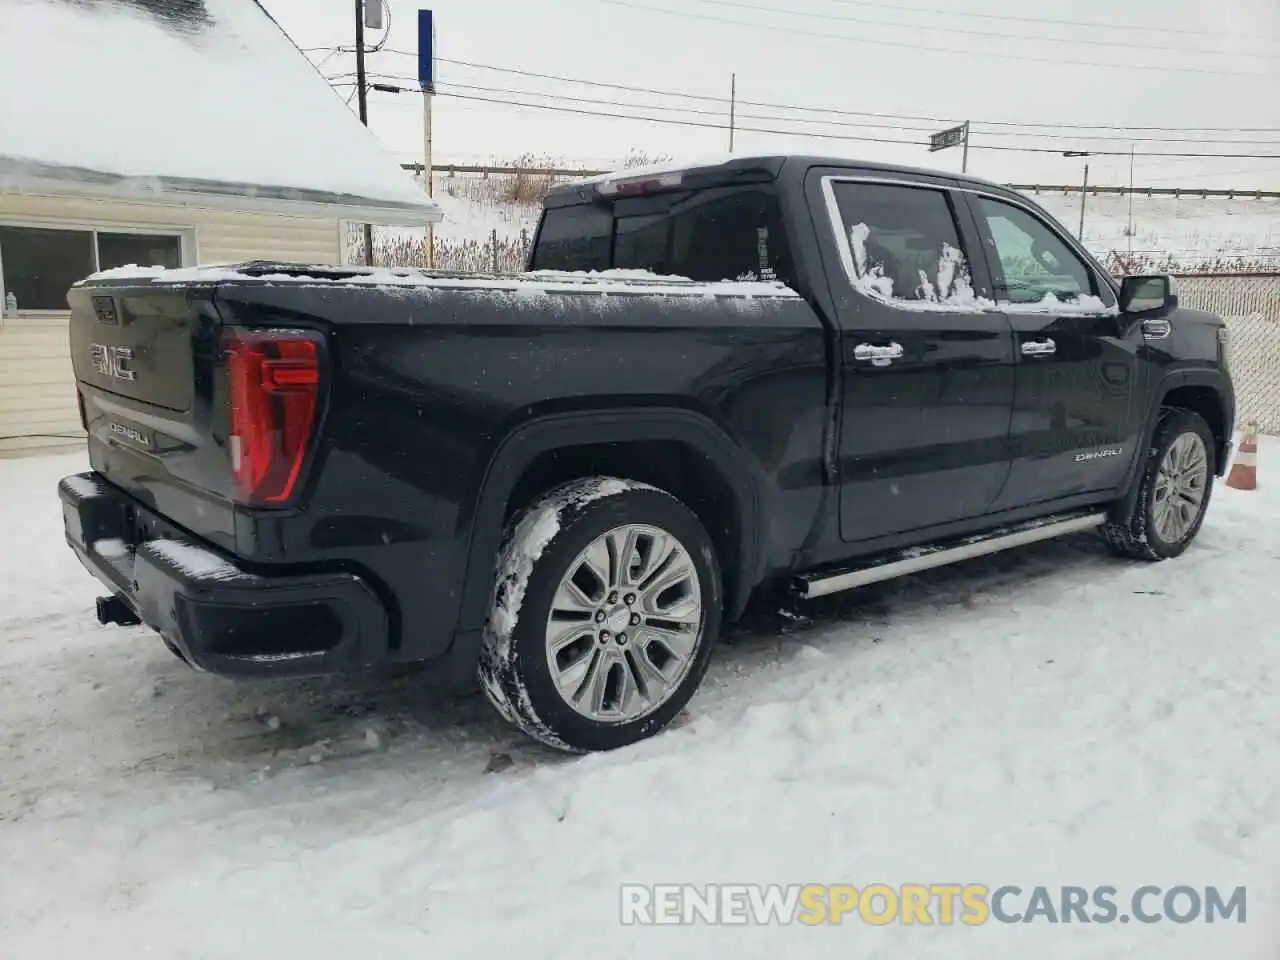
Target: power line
673, 108
986, 34
917, 47
676, 121
1143, 28
803, 134
665, 107
709, 98
1073, 138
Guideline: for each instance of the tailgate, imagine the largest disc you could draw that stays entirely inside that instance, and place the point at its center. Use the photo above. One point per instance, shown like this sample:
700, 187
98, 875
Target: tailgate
144, 360
136, 346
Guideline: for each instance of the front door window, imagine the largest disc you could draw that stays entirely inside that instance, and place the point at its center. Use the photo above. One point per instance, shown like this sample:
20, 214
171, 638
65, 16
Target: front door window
1033, 265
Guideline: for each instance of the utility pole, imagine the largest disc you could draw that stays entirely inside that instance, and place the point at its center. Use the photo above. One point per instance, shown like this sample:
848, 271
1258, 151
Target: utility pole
1084, 187
964, 157
362, 97
1131, 198
427, 172
1084, 192
427, 83
733, 103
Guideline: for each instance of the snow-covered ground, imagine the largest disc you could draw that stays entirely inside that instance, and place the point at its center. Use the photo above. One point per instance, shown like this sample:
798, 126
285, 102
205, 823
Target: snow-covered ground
467, 219
1184, 227
1051, 716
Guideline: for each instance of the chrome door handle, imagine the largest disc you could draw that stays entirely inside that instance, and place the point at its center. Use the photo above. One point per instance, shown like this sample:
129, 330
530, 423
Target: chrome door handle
879, 356
1038, 348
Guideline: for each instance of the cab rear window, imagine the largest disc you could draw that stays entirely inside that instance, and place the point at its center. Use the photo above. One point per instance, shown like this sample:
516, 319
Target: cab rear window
723, 233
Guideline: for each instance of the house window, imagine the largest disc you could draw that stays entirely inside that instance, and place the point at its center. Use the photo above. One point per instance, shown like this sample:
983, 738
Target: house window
39, 264
143, 249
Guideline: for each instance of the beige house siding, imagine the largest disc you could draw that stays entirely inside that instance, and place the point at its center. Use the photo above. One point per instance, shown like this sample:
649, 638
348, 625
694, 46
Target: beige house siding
37, 388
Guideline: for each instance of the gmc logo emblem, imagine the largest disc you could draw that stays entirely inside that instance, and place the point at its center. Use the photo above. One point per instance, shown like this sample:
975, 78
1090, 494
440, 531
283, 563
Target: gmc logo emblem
114, 362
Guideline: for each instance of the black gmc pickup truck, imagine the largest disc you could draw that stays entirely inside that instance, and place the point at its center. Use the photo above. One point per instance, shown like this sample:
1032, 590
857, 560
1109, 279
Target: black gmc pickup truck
781, 371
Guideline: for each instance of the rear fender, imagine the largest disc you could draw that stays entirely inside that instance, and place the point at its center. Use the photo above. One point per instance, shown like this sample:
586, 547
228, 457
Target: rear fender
563, 431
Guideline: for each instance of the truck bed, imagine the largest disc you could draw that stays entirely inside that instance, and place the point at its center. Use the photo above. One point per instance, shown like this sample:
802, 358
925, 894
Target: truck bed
423, 378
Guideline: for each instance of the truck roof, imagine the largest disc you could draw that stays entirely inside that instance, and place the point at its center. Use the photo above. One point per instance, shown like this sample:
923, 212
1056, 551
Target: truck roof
771, 164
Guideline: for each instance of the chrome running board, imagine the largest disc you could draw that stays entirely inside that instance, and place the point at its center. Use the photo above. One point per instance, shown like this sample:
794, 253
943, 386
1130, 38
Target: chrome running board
901, 563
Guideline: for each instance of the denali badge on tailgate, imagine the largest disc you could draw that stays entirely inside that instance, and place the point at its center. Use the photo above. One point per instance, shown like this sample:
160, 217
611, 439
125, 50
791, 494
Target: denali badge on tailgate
113, 362
137, 436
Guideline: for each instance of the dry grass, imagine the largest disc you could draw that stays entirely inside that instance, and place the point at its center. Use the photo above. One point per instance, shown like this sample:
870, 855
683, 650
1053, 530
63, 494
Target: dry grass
509, 195
522, 188
499, 254
1122, 264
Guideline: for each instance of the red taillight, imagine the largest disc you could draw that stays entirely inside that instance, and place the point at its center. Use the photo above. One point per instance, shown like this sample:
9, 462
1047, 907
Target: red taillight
273, 386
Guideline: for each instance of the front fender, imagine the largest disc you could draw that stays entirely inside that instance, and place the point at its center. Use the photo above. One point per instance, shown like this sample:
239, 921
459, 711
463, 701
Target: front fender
1211, 378
1215, 379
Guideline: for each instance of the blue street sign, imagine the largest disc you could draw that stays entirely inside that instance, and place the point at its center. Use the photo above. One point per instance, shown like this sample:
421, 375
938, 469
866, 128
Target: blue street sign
426, 50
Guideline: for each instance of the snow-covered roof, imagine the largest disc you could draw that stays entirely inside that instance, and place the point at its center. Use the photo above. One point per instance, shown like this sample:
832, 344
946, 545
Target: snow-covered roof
711, 161
194, 101
670, 166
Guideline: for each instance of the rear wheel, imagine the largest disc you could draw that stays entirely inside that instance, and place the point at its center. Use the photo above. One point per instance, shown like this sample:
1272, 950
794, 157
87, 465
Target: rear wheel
607, 606
1174, 490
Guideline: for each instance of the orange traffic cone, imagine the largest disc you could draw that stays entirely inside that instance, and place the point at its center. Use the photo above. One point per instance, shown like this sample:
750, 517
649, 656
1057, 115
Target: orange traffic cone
1244, 468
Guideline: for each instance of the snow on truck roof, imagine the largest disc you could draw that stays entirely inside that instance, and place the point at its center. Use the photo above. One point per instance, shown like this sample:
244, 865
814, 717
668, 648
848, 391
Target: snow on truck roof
618, 281
184, 100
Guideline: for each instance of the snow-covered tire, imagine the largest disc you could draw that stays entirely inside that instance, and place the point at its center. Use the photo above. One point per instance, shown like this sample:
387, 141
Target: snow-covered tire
1142, 538
545, 566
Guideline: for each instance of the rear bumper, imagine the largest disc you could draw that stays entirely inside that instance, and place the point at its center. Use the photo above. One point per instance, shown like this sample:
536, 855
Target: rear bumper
217, 616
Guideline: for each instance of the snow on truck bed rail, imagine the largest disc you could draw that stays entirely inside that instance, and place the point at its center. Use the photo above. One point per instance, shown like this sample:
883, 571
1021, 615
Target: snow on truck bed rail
531, 283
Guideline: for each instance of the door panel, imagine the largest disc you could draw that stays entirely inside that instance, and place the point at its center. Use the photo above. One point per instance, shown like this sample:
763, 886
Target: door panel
927, 372
923, 438
1076, 417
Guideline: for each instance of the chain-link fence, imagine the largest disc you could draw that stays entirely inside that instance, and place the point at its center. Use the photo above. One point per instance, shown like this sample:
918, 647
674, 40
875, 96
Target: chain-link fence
1250, 304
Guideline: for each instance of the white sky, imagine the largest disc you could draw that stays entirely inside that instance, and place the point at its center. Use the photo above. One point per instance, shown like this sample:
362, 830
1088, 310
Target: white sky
838, 57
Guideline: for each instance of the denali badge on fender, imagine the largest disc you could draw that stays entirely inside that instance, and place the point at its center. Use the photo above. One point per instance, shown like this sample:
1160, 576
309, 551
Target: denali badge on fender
1097, 454
113, 362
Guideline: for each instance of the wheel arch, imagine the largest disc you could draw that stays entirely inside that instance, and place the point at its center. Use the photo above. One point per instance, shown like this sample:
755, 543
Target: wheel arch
1203, 391
1203, 396
541, 453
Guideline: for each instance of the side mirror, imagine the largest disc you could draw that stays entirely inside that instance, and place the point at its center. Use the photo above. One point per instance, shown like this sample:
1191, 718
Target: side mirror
1148, 294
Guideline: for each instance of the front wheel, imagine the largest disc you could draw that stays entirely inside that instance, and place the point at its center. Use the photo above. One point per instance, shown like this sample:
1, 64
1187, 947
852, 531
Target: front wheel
606, 608
1174, 490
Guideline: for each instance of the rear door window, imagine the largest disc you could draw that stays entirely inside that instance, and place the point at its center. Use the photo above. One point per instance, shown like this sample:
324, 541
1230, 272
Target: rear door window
904, 242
